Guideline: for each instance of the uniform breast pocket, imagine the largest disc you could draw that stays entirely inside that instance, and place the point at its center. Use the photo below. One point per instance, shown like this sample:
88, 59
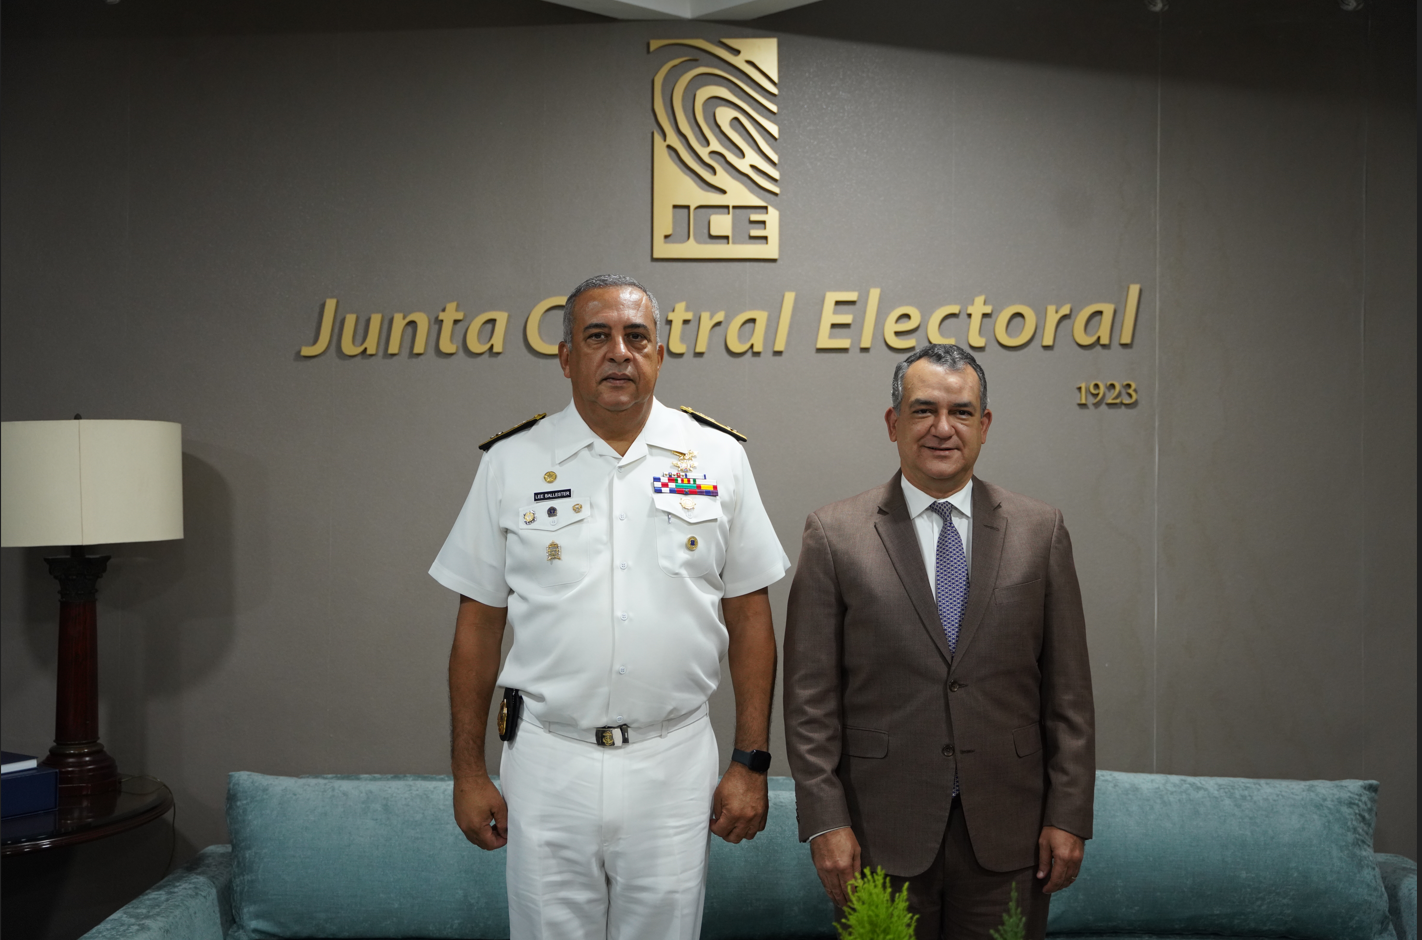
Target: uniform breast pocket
688, 539
554, 542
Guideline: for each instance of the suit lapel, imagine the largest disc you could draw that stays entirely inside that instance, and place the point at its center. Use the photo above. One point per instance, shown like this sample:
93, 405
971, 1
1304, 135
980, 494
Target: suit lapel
989, 530
895, 530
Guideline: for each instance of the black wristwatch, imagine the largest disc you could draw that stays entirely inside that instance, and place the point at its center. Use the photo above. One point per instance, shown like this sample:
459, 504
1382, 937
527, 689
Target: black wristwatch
757, 761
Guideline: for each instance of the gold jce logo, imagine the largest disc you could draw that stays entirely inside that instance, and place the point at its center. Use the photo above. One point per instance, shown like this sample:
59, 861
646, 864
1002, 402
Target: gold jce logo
713, 166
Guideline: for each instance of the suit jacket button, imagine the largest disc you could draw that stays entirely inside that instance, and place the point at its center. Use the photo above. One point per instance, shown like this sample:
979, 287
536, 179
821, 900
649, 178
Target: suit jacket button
947, 750
953, 687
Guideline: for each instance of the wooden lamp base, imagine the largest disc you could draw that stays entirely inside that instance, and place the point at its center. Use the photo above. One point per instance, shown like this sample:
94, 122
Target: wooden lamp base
84, 766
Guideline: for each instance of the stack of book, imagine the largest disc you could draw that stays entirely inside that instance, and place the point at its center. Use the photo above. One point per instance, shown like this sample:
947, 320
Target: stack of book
26, 786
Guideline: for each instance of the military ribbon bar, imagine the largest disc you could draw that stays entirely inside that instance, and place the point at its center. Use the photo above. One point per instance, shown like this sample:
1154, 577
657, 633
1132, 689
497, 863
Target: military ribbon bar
683, 485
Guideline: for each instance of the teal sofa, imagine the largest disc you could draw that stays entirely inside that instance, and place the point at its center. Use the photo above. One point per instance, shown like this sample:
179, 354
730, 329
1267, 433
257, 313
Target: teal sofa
1173, 857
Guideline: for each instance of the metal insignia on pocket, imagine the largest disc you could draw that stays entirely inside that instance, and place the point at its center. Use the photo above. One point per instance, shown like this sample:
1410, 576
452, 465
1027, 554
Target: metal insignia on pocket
555, 551
552, 512
691, 543
549, 477
577, 507
529, 517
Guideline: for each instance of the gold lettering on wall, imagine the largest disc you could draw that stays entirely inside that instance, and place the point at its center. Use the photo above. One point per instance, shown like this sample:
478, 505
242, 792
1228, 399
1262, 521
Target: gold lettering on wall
703, 329
712, 179
1112, 393
1054, 316
678, 318
1001, 329
976, 311
1013, 327
902, 320
782, 326
935, 327
1133, 301
499, 320
1082, 323
450, 315
323, 333
398, 322
531, 331
370, 345
829, 319
757, 341
866, 336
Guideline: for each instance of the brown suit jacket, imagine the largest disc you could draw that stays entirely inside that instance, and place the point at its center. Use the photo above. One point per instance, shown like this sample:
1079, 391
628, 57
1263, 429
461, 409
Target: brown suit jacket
877, 715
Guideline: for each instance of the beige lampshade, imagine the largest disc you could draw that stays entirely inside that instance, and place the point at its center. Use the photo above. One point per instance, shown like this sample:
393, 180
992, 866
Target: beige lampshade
90, 482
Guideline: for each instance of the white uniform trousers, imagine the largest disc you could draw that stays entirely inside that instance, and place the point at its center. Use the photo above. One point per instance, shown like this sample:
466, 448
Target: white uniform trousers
608, 842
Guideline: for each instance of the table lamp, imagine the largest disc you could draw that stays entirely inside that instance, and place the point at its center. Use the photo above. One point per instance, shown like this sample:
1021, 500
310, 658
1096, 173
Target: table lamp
80, 483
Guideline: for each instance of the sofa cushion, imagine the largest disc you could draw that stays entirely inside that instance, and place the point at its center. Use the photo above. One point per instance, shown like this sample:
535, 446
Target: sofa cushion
1229, 857
1399, 876
766, 887
376, 856
192, 903
357, 856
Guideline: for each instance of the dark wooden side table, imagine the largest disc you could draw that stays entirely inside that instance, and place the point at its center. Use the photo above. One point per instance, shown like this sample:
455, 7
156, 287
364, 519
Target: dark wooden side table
137, 801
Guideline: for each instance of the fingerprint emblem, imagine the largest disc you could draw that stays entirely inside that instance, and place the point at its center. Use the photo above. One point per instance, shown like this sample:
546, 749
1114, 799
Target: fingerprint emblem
714, 164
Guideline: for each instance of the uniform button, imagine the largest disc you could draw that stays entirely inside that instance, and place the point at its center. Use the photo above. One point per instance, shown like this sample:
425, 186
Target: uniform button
953, 687
623, 566
623, 615
947, 750
622, 670
619, 719
622, 515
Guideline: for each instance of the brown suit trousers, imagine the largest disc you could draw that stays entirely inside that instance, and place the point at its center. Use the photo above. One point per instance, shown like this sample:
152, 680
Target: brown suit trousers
878, 716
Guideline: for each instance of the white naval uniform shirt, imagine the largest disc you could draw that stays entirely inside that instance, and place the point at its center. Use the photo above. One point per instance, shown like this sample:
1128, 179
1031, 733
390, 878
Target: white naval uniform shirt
613, 591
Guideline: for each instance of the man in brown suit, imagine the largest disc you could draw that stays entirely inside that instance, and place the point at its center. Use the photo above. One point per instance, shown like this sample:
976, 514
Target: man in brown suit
938, 706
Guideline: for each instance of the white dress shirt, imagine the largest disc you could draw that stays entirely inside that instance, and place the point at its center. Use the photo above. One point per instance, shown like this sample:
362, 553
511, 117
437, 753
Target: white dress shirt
613, 590
927, 524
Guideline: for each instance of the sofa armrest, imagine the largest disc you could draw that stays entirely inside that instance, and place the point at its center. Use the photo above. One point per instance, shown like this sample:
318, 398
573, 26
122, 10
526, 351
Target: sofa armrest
1399, 877
192, 903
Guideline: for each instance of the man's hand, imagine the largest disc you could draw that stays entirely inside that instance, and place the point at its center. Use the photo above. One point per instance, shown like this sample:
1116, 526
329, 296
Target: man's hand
473, 669
836, 856
741, 801
1058, 853
740, 805
477, 802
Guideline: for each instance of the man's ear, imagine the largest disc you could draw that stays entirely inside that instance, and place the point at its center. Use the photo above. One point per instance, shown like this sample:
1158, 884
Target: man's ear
891, 418
987, 422
564, 354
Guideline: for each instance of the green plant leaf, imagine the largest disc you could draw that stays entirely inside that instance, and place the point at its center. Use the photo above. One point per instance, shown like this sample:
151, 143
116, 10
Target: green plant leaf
1014, 922
874, 912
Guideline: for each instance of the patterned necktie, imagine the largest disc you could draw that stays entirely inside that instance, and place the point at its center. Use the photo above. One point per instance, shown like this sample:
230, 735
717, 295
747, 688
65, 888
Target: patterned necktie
950, 587
950, 569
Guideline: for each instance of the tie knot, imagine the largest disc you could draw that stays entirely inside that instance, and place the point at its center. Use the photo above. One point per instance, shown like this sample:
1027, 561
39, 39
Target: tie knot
944, 509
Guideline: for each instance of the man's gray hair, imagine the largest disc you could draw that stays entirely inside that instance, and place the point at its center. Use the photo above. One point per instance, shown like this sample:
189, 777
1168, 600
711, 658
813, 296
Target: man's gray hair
608, 280
952, 358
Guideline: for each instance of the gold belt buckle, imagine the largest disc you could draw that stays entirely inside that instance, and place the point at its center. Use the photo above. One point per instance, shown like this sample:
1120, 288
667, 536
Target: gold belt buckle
612, 736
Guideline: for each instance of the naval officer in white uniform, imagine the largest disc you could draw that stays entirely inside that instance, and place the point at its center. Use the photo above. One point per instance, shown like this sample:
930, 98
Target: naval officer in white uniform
626, 546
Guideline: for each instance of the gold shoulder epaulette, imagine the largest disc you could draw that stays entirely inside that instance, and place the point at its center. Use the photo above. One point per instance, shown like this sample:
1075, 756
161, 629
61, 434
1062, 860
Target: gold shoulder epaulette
512, 431
713, 423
